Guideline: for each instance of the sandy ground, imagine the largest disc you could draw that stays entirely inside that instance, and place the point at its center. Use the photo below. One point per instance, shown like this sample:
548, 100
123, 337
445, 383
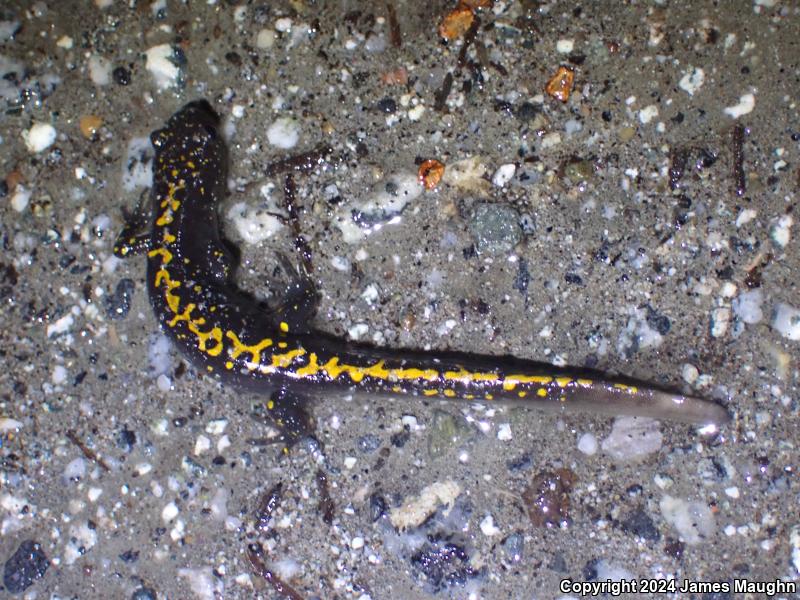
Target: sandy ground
644, 226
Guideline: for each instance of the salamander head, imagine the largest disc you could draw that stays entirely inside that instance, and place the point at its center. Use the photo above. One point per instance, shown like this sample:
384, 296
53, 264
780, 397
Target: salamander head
191, 137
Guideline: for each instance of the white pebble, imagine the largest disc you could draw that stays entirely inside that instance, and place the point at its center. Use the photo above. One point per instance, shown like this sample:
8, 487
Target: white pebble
20, 199
65, 42
780, 232
170, 512
692, 80
632, 438
201, 445
357, 543
732, 492
786, 321
488, 527
648, 113
504, 174
694, 521
565, 46
283, 24
747, 306
59, 375
746, 104
350, 462
160, 63
284, 133
99, 70
216, 426
747, 215
504, 432
587, 444
39, 137
689, 373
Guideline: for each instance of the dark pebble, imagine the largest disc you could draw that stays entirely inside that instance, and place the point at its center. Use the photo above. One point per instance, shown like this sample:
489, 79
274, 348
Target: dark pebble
126, 439
640, 524
377, 507
527, 111
25, 566
218, 461
573, 279
443, 564
234, 59
119, 303
144, 593
387, 105
369, 443
658, 322
3, 188
521, 463
129, 556
399, 439
121, 75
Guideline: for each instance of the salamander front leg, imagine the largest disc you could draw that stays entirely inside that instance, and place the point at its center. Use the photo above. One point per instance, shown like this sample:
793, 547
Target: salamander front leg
299, 302
287, 410
135, 235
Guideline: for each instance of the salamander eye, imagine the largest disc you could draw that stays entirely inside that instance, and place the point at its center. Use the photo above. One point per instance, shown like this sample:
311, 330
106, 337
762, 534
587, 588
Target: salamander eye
158, 138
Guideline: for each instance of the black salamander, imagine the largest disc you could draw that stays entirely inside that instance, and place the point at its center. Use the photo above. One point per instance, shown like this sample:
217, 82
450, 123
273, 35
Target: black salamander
227, 334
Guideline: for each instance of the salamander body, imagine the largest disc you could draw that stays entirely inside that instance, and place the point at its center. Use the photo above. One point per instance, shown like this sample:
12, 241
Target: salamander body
224, 332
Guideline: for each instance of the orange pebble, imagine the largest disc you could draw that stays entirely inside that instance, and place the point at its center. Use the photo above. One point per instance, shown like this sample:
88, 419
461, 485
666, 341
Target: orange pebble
560, 86
430, 173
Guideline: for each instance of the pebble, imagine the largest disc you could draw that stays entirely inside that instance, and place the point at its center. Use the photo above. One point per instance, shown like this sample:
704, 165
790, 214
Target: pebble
693, 521
24, 567
786, 321
745, 106
632, 438
587, 444
39, 137
503, 174
118, 304
99, 70
747, 306
495, 228
284, 133
639, 524
121, 75
164, 63
514, 546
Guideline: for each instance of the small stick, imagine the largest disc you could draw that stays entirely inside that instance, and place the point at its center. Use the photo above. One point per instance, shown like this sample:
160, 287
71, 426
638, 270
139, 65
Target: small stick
269, 502
303, 163
394, 26
738, 160
87, 452
280, 586
326, 504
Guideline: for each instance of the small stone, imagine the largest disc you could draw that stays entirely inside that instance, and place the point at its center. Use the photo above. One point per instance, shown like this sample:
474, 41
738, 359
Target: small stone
504, 174
24, 567
121, 75
632, 438
639, 524
39, 137
786, 321
89, 124
587, 444
514, 546
495, 228
118, 304
369, 443
694, 521
747, 306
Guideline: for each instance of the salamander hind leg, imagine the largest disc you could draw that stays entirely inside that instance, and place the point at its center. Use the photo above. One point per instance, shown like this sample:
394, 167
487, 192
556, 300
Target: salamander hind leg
287, 410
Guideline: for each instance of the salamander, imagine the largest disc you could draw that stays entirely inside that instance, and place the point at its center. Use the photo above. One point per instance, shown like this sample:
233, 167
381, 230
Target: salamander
225, 333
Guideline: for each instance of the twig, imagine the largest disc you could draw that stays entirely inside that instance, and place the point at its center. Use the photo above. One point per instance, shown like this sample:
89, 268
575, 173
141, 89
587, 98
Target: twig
87, 452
